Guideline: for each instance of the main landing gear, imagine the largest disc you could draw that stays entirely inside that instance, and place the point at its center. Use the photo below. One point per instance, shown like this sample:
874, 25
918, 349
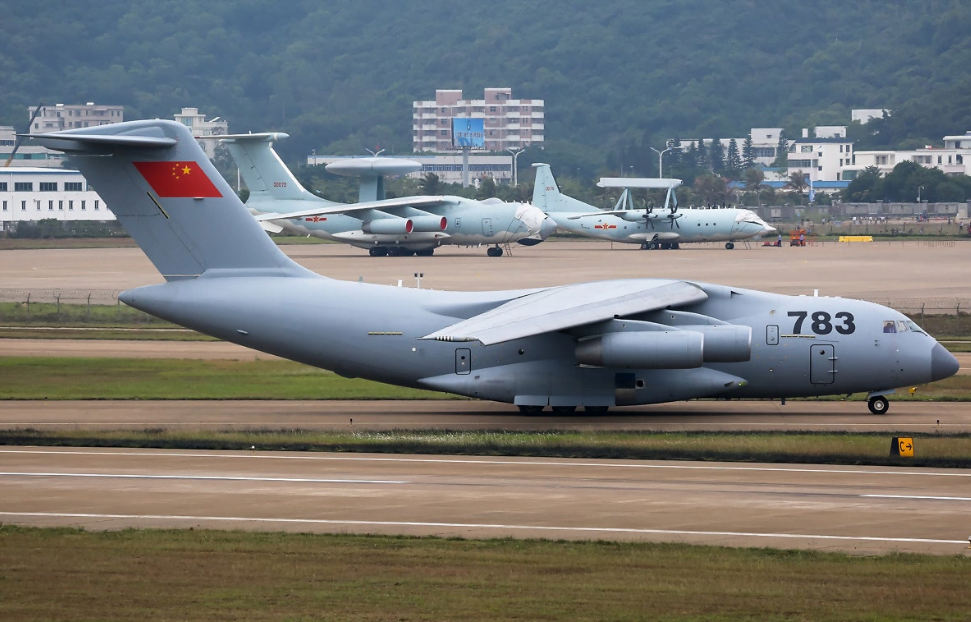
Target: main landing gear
878, 405
729, 245
396, 251
652, 245
494, 251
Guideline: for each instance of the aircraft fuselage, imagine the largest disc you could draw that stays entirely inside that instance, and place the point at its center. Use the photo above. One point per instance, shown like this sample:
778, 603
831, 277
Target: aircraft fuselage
799, 345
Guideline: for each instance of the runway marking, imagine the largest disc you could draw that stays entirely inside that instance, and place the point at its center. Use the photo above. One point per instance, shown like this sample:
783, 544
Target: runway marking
922, 497
501, 462
366, 523
219, 478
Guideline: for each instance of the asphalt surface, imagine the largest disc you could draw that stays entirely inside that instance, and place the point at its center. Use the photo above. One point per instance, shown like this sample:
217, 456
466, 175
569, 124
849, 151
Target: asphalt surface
830, 416
855, 509
874, 271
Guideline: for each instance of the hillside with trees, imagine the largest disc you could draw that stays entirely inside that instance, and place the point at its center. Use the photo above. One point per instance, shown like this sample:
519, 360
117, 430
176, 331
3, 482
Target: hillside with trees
618, 76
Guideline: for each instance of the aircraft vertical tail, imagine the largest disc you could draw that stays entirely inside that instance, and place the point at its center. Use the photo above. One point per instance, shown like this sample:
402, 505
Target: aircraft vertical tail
547, 195
265, 174
165, 192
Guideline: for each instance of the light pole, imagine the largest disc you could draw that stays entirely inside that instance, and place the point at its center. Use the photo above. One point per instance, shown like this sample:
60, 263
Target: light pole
919, 188
515, 174
660, 160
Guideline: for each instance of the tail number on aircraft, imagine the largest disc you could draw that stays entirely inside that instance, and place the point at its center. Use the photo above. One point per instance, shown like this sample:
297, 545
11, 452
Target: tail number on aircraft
822, 322
279, 184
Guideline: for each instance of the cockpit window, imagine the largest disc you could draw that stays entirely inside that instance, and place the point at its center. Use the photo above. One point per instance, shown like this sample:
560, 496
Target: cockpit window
901, 326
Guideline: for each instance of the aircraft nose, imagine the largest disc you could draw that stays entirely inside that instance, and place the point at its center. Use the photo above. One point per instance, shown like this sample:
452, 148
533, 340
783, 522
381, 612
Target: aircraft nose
943, 363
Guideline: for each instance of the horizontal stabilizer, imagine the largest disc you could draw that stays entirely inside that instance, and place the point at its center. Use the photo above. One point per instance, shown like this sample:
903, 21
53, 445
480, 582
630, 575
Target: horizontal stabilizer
638, 182
569, 306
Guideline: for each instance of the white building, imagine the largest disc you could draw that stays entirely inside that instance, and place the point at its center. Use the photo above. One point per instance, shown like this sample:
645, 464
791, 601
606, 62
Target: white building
508, 123
765, 144
30, 194
29, 154
821, 159
70, 116
448, 167
199, 126
953, 159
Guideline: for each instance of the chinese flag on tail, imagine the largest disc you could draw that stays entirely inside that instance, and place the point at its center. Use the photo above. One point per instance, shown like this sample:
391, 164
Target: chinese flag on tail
177, 179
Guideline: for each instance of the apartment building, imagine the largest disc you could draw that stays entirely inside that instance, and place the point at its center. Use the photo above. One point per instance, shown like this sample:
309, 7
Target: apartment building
200, 126
508, 123
69, 116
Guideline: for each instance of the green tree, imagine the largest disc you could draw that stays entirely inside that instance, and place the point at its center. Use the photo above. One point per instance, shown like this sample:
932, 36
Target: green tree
748, 154
716, 155
733, 161
486, 189
781, 152
711, 189
431, 185
754, 177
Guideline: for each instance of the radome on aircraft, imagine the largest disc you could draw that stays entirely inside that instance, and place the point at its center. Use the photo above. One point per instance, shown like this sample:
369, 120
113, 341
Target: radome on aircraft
592, 345
662, 227
402, 226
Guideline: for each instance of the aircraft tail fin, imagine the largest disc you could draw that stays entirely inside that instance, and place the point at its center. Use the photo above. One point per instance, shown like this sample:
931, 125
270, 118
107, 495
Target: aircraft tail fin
265, 174
165, 192
547, 195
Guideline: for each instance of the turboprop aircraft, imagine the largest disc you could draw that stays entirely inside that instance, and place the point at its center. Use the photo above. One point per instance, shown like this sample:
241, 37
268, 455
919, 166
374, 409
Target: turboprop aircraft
404, 226
592, 345
652, 228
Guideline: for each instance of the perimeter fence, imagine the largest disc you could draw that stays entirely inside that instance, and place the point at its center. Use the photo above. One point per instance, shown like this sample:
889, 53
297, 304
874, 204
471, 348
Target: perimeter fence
20, 304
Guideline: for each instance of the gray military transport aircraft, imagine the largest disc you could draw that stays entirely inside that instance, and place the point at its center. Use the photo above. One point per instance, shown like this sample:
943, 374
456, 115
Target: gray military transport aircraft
661, 227
591, 345
401, 226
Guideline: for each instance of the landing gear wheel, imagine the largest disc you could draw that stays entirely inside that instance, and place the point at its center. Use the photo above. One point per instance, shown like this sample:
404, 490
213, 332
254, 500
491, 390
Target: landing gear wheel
596, 410
652, 246
377, 251
494, 251
676, 245
563, 410
428, 252
643, 246
729, 245
879, 405
530, 410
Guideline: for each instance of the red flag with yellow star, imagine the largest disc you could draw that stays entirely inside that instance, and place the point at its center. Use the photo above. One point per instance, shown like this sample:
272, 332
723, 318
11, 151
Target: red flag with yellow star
177, 179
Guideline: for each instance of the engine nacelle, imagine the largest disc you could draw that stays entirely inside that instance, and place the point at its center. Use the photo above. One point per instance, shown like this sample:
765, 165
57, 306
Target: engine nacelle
726, 343
392, 226
429, 224
634, 215
679, 349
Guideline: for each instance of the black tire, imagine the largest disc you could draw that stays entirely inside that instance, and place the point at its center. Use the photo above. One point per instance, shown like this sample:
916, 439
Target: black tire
494, 251
377, 251
563, 410
643, 246
879, 405
730, 245
596, 410
652, 246
531, 410
428, 252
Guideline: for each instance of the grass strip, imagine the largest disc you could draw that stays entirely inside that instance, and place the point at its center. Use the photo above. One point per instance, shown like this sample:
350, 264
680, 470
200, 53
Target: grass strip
931, 450
32, 378
204, 575
56, 378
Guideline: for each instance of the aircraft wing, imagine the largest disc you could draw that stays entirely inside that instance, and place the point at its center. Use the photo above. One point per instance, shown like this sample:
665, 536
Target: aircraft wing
350, 208
568, 306
622, 212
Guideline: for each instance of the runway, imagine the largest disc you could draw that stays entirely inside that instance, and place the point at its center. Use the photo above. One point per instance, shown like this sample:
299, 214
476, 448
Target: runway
878, 271
856, 509
371, 415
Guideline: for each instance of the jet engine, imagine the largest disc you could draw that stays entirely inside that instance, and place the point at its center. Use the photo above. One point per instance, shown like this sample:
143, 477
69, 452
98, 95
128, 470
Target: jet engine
429, 224
392, 226
679, 349
676, 349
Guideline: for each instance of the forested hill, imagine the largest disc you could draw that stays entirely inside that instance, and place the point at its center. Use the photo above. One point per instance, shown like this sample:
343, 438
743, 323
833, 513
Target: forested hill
342, 75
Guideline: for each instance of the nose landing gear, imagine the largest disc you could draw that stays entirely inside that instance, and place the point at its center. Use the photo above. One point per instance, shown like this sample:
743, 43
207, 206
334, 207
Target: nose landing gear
878, 405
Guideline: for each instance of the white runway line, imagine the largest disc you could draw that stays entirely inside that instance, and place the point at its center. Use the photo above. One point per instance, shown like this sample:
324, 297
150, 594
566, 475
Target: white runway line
923, 497
219, 478
486, 461
363, 523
